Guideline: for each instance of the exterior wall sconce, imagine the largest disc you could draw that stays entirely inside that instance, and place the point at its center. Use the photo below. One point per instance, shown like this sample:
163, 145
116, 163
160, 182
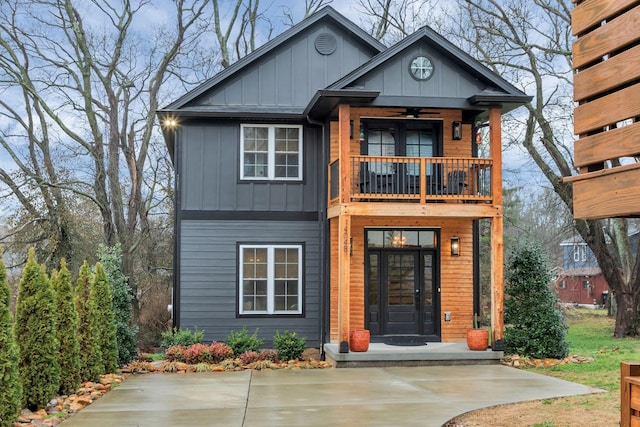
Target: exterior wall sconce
456, 131
455, 246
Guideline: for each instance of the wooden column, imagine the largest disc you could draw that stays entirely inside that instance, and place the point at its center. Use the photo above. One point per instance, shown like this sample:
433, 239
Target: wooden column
344, 142
497, 225
344, 230
344, 281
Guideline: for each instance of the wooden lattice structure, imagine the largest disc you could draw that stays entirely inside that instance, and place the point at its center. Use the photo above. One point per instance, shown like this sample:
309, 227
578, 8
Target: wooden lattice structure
606, 60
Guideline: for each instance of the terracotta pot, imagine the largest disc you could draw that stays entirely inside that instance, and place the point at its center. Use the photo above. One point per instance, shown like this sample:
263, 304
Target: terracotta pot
477, 339
359, 339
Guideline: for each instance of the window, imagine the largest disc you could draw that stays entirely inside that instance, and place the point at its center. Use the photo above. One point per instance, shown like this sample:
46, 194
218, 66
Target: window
270, 279
579, 253
563, 284
271, 152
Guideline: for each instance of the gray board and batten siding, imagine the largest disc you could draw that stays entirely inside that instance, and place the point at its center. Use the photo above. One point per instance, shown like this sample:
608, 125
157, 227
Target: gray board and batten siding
209, 277
448, 81
293, 72
210, 177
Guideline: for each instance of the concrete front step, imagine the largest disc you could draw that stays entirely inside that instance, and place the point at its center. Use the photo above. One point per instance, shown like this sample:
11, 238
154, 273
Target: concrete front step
432, 354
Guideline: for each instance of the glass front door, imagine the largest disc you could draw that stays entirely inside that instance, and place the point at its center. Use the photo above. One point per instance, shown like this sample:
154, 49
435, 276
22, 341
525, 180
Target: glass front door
402, 290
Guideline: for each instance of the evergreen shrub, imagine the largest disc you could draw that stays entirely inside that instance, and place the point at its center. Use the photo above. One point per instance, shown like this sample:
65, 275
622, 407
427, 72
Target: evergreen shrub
10, 386
66, 330
289, 345
183, 337
35, 334
126, 332
100, 293
242, 341
535, 326
88, 328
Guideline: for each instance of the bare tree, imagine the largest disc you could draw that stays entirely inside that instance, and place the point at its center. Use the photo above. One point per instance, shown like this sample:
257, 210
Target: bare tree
530, 44
81, 84
393, 20
236, 29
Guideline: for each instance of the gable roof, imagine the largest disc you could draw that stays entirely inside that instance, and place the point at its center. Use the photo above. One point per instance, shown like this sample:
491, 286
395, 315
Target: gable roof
326, 12
502, 92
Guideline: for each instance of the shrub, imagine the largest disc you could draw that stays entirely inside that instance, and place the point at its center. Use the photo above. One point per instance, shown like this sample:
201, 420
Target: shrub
66, 330
220, 352
183, 337
270, 355
111, 259
249, 357
107, 342
35, 334
535, 326
9, 378
197, 353
90, 361
242, 341
175, 353
289, 345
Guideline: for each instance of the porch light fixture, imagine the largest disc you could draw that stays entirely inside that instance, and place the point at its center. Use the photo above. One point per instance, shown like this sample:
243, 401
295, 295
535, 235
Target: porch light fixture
456, 131
455, 246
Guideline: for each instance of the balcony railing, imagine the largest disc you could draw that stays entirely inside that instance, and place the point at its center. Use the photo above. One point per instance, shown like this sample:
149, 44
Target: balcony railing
419, 179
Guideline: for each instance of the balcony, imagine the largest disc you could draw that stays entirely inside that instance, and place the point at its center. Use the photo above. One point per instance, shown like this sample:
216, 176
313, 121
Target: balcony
413, 179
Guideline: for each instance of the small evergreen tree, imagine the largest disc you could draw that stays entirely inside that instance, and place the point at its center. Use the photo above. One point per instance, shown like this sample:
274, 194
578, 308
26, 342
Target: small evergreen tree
111, 259
107, 343
90, 360
535, 326
11, 395
67, 330
35, 334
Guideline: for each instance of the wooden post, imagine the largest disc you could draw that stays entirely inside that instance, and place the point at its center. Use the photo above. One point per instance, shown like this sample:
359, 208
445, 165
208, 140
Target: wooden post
344, 281
344, 229
344, 143
626, 370
497, 225
423, 181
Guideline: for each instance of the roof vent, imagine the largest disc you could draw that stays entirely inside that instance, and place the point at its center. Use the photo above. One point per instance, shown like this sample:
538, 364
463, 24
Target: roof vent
326, 44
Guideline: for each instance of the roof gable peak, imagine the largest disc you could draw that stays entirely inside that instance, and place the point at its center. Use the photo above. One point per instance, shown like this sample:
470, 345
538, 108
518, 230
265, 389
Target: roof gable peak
326, 13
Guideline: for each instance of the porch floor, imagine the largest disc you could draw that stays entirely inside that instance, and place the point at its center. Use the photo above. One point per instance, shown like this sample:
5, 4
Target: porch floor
434, 353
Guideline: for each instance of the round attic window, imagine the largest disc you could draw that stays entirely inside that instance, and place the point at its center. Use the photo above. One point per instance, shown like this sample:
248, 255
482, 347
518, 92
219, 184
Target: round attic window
326, 44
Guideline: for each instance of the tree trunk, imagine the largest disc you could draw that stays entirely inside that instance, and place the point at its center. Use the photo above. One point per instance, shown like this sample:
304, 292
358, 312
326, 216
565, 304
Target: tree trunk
626, 315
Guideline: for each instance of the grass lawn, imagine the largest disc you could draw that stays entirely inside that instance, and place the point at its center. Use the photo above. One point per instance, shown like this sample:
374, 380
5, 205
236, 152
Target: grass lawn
590, 334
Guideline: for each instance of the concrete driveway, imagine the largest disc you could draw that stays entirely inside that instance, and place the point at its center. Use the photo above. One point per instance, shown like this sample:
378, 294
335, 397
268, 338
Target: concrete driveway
393, 396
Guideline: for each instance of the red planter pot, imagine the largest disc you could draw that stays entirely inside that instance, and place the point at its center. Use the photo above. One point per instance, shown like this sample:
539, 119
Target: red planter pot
477, 339
359, 340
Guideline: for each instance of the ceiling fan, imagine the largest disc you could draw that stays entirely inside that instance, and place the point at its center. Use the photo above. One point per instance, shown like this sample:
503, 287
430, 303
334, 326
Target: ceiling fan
415, 112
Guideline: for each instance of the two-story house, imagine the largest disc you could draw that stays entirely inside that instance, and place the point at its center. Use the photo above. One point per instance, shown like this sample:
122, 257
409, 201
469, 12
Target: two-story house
580, 281
326, 182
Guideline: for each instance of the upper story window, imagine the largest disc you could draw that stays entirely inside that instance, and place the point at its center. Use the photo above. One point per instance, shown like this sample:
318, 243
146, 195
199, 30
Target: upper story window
271, 152
579, 253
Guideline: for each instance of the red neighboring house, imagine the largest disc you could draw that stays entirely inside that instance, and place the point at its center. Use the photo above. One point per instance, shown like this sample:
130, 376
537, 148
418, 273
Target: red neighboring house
585, 285
580, 281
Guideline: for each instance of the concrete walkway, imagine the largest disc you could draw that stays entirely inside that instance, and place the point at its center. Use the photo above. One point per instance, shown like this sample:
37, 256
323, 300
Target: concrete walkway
406, 396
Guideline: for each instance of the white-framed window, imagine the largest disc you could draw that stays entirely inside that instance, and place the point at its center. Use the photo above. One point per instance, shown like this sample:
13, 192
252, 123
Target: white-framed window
270, 279
271, 152
579, 253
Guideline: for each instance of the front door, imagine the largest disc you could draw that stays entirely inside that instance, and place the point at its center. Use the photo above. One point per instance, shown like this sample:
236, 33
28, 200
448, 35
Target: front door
402, 294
